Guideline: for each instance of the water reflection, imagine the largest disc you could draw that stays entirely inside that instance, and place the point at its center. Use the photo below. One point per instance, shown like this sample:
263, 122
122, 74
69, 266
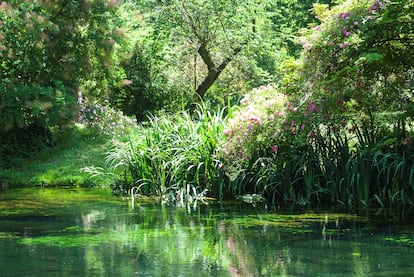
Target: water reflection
107, 238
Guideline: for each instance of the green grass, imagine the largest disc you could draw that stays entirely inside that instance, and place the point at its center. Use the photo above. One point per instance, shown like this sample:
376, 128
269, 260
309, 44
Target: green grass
61, 165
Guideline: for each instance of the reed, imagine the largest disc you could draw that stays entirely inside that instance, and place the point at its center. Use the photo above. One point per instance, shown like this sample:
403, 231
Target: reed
172, 155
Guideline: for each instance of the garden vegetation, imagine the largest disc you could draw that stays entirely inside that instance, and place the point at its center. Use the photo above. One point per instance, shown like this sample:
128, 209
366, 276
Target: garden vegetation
219, 100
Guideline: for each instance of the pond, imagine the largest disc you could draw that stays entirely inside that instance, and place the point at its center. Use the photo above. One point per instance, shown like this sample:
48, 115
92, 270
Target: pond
58, 232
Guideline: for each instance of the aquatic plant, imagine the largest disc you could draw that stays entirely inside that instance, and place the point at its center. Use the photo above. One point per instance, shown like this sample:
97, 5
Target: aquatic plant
172, 155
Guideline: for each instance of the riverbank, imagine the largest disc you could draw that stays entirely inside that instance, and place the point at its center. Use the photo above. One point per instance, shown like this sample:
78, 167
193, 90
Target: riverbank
62, 164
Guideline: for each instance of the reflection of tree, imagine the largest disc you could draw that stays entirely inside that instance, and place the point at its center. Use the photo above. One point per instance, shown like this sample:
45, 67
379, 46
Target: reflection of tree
155, 240
90, 218
249, 253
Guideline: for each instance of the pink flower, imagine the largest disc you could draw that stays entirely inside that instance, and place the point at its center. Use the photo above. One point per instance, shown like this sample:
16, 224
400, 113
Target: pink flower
244, 100
271, 117
275, 148
317, 28
256, 119
302, 126
312, 106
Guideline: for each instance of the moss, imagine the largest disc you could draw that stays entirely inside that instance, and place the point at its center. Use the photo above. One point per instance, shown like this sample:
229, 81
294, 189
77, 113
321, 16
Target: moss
35, 201
293, 220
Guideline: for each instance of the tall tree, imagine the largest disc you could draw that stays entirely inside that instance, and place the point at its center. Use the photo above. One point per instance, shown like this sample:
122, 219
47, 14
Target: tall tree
215, 31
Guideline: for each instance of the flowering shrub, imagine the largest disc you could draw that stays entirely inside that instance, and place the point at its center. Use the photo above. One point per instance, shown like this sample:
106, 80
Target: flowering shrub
358, 55
254, 128
338, 112
104, 119
265, 123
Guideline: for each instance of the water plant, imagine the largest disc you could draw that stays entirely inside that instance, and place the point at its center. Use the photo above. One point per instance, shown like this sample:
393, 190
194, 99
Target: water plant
172, 155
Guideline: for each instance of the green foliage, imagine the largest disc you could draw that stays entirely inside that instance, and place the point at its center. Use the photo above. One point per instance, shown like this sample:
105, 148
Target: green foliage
346, 133
171, 155
47, 49
145, 90
184, 44
26, 105
288, 17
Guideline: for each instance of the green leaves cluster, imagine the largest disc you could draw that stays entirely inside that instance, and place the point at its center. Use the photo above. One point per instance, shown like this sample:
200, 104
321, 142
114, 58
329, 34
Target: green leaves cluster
47, 48
24, 105
171, 155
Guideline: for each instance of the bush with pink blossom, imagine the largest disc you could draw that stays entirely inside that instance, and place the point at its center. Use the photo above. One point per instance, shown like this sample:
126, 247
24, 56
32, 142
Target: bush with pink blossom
104, 119
254, 128
267, 124
336, 126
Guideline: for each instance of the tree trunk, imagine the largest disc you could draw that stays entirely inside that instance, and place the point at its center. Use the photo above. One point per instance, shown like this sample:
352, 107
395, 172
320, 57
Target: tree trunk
213, 70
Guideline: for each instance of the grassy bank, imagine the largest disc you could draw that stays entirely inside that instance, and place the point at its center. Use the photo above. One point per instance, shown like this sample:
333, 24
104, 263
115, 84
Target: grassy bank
61, 165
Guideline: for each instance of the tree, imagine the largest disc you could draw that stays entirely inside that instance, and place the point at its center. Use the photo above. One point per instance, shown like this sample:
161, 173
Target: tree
47, 49
215, 31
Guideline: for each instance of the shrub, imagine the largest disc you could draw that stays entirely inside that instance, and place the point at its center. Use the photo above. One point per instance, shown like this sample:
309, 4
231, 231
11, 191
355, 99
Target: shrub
254, 128
103, 119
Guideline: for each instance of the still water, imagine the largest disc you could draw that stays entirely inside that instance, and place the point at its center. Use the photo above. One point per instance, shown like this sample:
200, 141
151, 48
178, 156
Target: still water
90, 233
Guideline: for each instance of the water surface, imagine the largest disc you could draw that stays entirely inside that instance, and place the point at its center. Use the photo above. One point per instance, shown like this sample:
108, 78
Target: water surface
91, 233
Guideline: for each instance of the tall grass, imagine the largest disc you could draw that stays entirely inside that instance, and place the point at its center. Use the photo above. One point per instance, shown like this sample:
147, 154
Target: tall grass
172, 155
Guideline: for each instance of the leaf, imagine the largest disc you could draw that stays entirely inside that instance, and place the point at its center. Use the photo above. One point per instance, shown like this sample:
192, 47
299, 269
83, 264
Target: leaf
373, 57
